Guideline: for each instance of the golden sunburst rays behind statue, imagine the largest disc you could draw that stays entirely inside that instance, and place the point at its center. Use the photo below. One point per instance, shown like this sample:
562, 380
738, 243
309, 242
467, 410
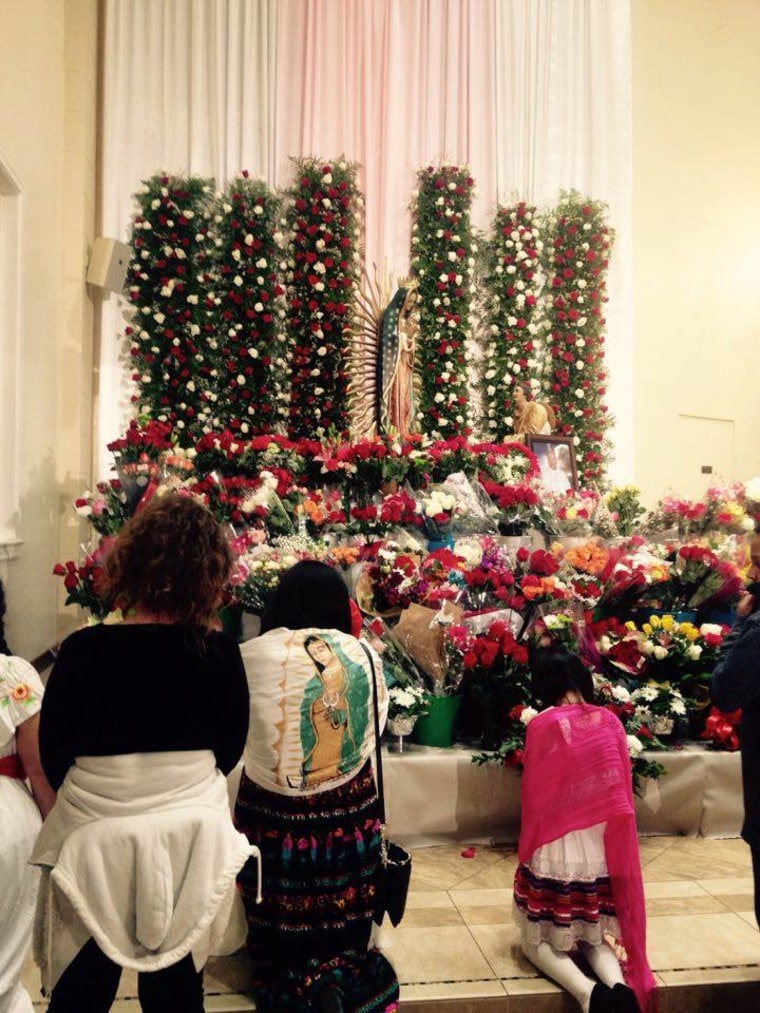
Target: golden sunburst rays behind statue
382, 385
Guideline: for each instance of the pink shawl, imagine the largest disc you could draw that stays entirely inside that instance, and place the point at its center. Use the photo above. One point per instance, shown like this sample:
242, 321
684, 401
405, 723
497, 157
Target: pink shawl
578, 773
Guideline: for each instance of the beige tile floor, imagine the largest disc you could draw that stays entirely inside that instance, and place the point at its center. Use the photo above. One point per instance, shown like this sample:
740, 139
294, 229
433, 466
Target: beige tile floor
457, 950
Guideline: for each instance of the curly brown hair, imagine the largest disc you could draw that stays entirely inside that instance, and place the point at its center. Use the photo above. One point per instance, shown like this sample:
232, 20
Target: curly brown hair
171, 559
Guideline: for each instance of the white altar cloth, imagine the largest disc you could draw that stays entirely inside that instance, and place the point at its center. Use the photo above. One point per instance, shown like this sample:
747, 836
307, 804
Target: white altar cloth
439, 795
434, 796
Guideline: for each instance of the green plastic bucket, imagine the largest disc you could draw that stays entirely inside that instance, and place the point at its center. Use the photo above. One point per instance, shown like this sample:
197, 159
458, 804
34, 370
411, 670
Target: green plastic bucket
436, 728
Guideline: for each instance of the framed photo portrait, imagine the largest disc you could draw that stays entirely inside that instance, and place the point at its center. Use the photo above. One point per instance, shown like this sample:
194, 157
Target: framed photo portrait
556, 461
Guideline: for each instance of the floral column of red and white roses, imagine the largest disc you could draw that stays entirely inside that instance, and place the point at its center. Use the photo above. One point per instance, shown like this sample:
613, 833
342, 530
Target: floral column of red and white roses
577, 262
511, 313
172, 328
251, 353
322, 219
443, 261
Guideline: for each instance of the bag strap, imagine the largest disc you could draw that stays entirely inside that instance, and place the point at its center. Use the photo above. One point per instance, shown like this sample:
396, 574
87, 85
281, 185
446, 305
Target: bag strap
378, 756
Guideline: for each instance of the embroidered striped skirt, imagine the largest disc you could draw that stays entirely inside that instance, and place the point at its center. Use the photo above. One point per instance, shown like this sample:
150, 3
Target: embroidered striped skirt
562, 894
319, 854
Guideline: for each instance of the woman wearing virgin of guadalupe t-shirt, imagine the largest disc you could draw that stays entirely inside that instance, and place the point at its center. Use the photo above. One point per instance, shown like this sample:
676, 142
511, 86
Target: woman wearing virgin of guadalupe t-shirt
307, 798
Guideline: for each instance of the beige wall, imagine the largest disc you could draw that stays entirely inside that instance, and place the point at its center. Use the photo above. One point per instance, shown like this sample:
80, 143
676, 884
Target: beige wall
696, 241
47, 136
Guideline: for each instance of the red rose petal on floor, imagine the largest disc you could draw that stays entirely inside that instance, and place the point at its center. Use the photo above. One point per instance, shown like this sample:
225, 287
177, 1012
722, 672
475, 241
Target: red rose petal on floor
469, 852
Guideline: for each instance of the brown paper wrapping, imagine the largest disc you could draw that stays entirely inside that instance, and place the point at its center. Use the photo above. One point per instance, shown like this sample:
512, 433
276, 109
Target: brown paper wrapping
423, 639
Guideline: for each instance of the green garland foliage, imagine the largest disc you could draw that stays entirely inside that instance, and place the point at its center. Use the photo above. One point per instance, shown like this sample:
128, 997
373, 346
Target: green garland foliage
168, 285
251, 392
442, 260
322, 218
577, 259
511, 313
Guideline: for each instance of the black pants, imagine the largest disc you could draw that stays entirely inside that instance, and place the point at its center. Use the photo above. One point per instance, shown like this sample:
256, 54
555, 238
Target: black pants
90, 982
756, 873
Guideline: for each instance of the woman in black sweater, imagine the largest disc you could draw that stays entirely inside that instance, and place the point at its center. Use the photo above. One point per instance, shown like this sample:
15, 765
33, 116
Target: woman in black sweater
141, 721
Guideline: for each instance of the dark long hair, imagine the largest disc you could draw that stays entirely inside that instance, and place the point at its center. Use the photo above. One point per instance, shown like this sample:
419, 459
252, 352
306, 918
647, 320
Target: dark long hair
4, 649
310, 594
555, 671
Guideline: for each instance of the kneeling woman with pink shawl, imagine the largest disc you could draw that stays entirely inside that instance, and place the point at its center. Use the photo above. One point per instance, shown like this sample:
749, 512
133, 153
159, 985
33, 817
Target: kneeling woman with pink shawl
578, 883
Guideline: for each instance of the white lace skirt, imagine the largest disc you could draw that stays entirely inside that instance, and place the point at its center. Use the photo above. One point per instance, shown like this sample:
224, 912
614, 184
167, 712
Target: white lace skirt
562, 893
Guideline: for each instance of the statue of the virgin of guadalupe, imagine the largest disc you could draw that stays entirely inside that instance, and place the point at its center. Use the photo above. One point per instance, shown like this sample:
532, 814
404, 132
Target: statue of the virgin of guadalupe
398, 341
382, 363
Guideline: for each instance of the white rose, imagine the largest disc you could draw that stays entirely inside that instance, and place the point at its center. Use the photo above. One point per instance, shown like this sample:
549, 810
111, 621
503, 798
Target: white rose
527, 714
752, 490
634, 746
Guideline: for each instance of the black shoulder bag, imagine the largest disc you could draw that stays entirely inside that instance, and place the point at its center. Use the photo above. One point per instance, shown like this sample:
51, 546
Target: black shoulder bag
395, 866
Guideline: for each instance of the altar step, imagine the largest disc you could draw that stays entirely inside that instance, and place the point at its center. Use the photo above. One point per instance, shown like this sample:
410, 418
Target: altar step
722, 990
707, 990
457, 949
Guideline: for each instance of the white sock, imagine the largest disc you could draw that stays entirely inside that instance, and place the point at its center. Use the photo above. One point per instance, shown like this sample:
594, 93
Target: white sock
560, 967
603, 963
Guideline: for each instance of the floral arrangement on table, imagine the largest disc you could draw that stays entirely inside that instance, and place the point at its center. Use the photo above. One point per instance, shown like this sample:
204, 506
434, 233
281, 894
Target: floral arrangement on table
696, 579
518, 505
511, 311
577, 243
752, 498
259, 567
633, 572
537, 581
229, 453
107, 509
250, 350
721, 509
505, 463
84, 581
399, 667
564, 626
639, 735
662, 644
493, 670
384, 515
407, 702
624, 503
585, 570
137, 457
144, 441
172, 327
321, 219
390, 582
437, 512
659, 705
442, 261
488, 577
571, 512
511, 750
478, 573
321, 511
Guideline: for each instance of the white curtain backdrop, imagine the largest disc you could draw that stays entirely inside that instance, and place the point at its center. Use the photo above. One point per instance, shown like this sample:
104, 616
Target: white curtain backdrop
533, 95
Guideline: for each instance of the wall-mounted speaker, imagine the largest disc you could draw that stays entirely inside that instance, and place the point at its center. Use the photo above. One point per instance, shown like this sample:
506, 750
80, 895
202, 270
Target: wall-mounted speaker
108, 265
